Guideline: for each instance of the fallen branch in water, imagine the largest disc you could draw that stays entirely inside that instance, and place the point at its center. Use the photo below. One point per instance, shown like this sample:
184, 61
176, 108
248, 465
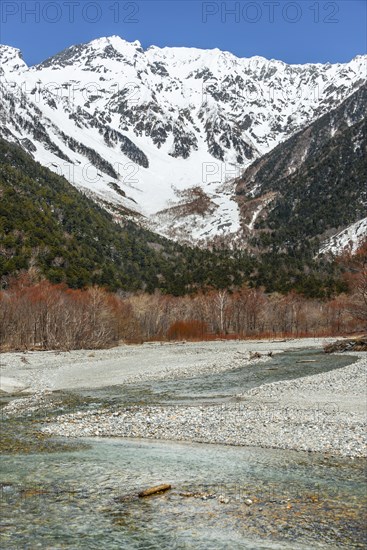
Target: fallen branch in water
155, 490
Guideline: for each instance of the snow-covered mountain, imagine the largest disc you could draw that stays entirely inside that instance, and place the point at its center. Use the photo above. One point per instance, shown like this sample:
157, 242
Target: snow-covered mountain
163, 133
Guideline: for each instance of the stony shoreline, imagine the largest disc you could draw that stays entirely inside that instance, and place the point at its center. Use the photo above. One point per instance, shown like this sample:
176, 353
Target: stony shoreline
54, 370
304, 414
320, 413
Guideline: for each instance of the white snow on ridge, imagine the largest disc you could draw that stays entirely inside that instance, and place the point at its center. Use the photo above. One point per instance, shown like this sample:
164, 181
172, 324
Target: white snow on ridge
348, 239
198, 116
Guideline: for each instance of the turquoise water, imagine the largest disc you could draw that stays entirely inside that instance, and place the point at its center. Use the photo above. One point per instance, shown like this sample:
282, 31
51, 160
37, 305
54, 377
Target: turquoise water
90, 499
87, 499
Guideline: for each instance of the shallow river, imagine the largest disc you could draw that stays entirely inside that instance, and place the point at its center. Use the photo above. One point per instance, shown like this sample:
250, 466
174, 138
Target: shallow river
87, 498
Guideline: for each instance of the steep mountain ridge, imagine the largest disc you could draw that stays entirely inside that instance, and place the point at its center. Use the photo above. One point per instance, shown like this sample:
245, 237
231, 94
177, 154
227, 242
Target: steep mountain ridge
163, 134
312, 186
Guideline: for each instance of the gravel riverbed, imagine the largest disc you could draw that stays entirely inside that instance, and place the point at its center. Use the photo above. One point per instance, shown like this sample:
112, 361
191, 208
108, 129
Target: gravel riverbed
56, 370
320, 413
269, 416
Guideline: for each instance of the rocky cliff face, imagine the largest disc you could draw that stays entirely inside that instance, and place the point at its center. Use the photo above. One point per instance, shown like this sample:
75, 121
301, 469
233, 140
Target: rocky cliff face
149, 132
312, 186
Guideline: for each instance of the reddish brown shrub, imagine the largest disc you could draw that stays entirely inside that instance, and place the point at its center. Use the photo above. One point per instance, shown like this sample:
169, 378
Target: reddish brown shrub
187, 330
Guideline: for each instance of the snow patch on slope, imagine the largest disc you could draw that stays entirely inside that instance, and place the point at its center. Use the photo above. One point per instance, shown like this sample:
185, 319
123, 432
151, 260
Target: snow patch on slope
348, 239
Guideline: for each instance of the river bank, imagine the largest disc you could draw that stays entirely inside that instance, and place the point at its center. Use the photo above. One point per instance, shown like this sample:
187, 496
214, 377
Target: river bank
54, 370
324, 413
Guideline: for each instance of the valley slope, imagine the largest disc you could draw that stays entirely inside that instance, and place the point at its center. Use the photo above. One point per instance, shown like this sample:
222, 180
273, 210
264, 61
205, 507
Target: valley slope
312, 186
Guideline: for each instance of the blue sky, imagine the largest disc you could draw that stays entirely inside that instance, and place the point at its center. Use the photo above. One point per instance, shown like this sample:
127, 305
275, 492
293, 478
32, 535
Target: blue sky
295, 32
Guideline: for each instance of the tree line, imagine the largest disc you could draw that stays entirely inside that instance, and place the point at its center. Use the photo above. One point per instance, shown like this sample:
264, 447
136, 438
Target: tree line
42, 315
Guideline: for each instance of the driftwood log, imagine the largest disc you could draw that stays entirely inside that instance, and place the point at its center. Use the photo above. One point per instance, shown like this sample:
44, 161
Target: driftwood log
353, 344
155, 490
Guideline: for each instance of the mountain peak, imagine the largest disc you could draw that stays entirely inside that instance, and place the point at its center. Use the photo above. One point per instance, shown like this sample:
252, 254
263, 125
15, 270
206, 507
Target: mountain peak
11, 59
107, 46
115, 41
